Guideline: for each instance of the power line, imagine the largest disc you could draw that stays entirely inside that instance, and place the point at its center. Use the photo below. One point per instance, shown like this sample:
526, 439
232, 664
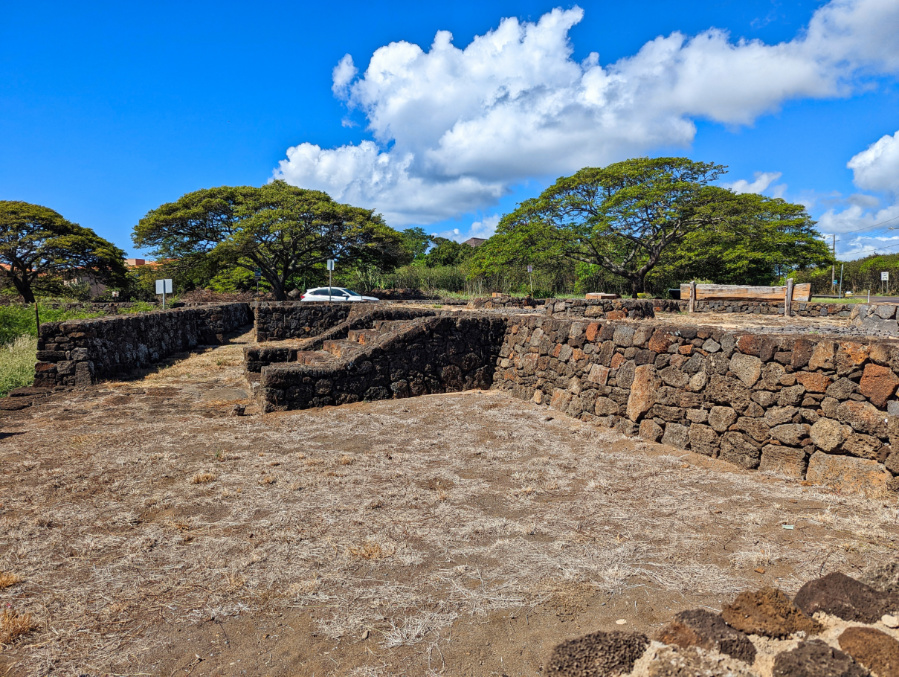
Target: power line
860, 230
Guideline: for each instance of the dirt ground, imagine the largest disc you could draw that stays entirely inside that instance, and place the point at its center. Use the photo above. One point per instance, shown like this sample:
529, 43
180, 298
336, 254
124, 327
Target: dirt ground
460, 534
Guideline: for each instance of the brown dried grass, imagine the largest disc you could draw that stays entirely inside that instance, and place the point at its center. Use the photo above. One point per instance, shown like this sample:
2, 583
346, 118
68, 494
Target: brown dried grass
472, 499
8, 579
13, 625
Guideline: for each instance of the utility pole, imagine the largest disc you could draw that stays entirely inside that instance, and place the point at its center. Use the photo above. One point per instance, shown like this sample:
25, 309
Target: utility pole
833, 268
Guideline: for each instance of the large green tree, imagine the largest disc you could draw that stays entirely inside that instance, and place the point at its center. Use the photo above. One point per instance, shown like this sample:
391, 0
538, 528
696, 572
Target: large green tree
38, 245
771, 239
283, 231
629, 217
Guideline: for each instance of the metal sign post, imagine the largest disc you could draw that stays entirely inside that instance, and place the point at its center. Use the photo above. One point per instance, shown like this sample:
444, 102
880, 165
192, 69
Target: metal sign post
163, 287
330, 271
884, 281
257, 274
531, 278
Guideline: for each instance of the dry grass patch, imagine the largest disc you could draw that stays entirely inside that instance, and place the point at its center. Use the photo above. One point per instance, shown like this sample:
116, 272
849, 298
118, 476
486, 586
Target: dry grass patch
8, 579
371, 550
14, 625
202, 478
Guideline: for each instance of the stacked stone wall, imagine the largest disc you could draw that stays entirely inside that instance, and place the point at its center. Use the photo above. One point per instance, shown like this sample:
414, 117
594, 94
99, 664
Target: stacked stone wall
433, 355
504, 301
619, 309
278, 320
81, 352
815, 408
256, 357
880, 318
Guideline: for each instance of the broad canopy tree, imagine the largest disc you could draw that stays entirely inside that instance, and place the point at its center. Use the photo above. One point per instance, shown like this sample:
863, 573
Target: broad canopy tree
38, 245
632, 216
281, 230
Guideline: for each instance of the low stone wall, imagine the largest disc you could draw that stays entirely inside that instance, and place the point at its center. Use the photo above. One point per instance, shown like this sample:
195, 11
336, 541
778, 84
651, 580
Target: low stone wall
817, 409
876, 317
769, 308
619, 309
278, 320
81, 352
256, 357
504, 301
614, 309
434, 355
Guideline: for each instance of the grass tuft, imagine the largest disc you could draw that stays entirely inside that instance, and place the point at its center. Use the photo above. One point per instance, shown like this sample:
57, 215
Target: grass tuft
202, 478
8, 579
13, 625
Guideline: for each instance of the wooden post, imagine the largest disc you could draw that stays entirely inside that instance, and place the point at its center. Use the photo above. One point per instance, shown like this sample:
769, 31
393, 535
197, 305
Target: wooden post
692, 295
37, 319
788, 298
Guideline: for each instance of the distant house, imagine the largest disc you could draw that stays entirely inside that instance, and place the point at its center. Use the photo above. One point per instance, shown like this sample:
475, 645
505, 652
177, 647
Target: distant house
475, 241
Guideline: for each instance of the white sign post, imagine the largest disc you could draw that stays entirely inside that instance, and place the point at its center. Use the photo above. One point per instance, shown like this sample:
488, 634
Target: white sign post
330, 271
163, 287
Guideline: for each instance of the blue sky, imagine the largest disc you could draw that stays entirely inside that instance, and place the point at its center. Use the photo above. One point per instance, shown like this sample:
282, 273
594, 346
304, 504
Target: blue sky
446, 117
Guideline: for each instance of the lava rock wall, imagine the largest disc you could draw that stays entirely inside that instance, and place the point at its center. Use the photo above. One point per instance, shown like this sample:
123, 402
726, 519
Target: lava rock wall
815, 408
82, 352
432, 355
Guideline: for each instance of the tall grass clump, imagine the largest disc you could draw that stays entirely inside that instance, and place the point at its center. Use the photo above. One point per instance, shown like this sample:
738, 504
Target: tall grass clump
17, 363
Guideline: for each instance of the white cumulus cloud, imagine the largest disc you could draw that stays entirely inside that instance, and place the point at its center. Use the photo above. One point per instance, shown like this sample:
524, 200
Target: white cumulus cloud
760, 183
453, 129
875, 169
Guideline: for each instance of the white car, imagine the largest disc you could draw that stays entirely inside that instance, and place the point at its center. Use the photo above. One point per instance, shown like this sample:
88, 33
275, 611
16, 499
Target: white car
335, 294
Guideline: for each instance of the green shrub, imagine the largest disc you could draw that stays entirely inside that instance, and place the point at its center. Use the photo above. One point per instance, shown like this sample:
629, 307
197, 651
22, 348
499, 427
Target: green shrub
16, 320
17, 363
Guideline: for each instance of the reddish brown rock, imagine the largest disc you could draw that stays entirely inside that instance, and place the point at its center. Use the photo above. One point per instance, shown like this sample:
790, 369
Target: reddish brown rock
802, 352
823, 355
850, 356
659, 341
873, 649
707, 630
617, 360
848, 474
616, 315
597, 655
767, 612
592, 331
878, 384
643, 391
650, 430
598, 374
844, 597
784, 460
813, 382
760, 346
816, 659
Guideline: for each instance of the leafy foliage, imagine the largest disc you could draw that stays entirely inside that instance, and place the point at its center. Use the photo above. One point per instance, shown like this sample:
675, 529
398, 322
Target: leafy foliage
650, 222
39, 247
284, 232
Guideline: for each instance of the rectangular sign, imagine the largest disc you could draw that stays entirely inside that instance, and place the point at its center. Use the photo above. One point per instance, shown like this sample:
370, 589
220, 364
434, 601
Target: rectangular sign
330, 264
530, 269
884, 277
163, 286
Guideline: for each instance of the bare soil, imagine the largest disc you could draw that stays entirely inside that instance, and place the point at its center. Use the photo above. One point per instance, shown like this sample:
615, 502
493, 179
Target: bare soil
459, 534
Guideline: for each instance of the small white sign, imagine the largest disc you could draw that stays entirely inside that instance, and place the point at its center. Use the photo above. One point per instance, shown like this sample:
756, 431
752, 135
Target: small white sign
884, 277
330, 264
163, 286
530, 269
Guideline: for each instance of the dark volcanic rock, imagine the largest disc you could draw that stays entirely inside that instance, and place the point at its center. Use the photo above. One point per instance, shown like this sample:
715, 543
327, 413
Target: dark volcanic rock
843, 597
872, 648
597, 654
816, 659
707, 630
767, 612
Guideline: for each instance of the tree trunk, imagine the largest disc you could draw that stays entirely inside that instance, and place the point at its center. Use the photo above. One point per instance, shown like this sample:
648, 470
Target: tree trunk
638, 285
24, 289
